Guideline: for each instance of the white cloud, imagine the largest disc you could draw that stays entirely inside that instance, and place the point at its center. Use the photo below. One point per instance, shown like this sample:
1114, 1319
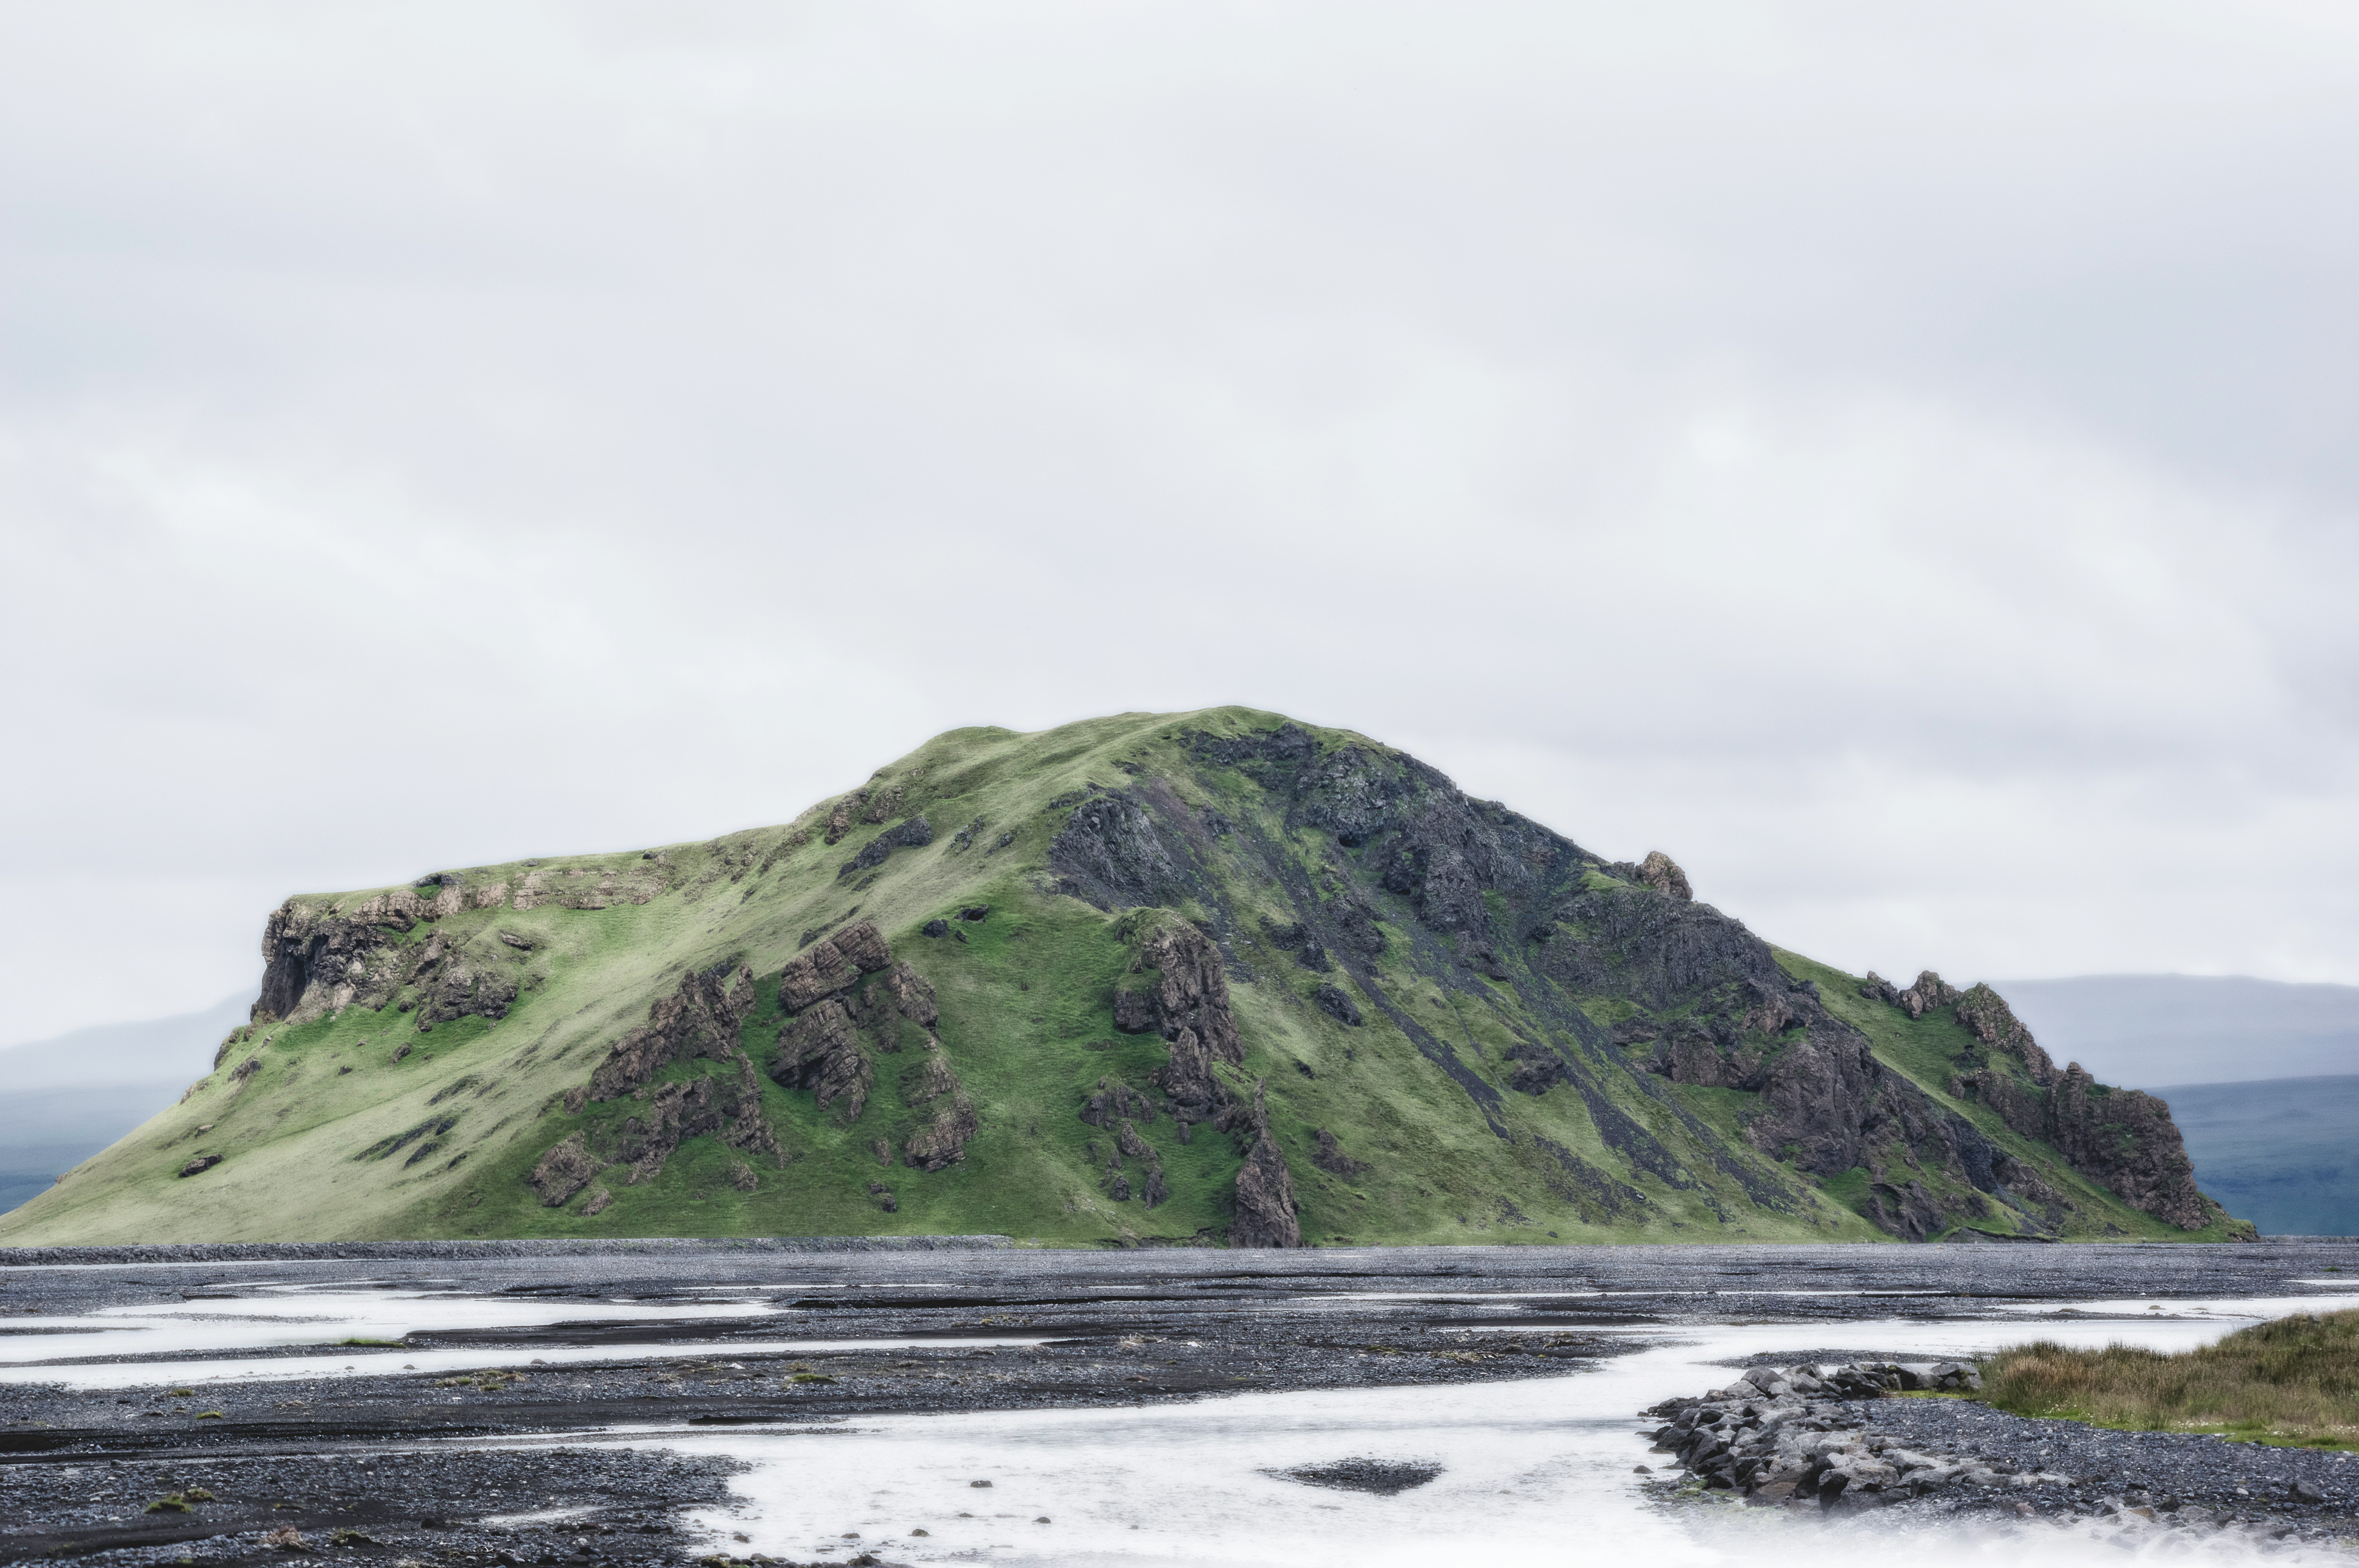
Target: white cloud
1894, 461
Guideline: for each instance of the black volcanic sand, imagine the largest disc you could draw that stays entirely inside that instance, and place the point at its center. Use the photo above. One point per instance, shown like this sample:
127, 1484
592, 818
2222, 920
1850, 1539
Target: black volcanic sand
507, 1469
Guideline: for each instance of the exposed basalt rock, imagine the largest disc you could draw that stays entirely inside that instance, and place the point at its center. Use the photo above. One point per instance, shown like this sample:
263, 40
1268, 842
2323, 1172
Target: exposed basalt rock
819, 1050
1989, 1019
2125, 1139
839, 1025
700, 1019
563, 1170
1337, 1004
1265, 1212
1190, 990
1299, 940
1115, 1100
199, 1165
912, 995
1660, 871
1111, 854
913, 834
1129, 1145
834, 965
872, 801
1186, 1000
2122, 1138
316, 960
1533, 1068
932, 1086
1635, 946
723, 1105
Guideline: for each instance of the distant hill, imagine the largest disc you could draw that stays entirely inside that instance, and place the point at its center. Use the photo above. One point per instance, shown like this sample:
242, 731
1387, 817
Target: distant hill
2146, 1030
64, 1100
2284, 1154
1151, 980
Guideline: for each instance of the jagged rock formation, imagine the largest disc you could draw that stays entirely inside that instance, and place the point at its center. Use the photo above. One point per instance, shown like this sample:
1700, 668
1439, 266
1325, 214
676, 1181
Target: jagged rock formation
2123, 1139
699, 1021
1408, 1014
1266, 1207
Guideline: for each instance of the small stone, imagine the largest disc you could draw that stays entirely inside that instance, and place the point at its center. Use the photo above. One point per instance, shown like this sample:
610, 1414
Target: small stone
978, 1483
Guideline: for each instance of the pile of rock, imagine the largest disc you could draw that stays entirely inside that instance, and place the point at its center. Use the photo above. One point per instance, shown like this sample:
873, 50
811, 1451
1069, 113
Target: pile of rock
1787, 1435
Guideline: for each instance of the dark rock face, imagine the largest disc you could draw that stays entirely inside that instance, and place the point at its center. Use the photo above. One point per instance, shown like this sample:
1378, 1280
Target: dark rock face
2122, 1138
934, 1089
1186, 1002
1116, 1100
819, 1050
563, 1170
199, 1165
724, 1105
1110, 855
1645, 947
915, 833
316, 961
1265, 1214
1660, 871
699, 1019
1337, 1004
832, 965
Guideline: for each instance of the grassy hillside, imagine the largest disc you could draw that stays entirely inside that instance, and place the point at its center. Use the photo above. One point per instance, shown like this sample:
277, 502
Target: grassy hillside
1550, 1047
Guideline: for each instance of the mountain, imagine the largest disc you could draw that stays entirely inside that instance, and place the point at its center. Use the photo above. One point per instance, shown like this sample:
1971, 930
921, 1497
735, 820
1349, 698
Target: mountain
2282, 1153
1147, 980
64, 1100
2149, 1030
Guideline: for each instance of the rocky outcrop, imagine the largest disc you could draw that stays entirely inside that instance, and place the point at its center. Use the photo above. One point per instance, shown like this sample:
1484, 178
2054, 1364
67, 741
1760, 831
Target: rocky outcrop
1337, 1004
837, 1026
832, 965
564, 1170
2126, 1141
727, 1106
1660, 871
1264, 1200
1182, 994
1110, 854
819, 1050
933, 1087
700, 1019
915, 833
2122, 1138
317, 960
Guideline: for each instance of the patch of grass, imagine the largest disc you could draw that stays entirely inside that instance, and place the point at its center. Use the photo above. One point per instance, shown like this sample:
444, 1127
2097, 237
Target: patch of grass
2293, 1381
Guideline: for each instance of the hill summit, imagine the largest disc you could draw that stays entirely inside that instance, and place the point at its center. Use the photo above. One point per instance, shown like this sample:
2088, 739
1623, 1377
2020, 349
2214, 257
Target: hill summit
1152, 979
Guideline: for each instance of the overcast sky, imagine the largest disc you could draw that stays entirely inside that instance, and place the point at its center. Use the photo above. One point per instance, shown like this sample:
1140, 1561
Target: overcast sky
1898, 460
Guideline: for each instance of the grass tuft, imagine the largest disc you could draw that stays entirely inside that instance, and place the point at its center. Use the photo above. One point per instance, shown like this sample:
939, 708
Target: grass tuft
2292, 1382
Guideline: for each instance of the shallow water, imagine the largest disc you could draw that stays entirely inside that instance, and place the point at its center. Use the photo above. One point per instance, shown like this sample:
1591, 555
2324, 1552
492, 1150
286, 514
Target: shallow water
1536, 1471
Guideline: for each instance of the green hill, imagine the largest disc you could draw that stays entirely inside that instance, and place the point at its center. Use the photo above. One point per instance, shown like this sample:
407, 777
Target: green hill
1154, 979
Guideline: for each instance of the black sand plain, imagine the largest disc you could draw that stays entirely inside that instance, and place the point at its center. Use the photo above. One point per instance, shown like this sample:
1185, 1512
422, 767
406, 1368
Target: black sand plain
511, 1464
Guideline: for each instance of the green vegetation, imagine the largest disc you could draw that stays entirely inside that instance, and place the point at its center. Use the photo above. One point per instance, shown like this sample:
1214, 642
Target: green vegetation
353, 1120
2293, 1381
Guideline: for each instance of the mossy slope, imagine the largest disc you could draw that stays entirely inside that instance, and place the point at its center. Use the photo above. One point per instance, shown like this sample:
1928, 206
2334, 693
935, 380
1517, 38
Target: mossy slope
1525, 1008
